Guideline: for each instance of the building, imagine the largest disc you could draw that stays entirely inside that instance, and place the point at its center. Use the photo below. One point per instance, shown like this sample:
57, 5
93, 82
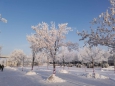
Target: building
111, 61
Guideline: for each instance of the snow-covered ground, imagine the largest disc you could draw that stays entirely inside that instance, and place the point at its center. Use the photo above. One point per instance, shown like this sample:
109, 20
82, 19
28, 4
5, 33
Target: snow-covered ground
41, 76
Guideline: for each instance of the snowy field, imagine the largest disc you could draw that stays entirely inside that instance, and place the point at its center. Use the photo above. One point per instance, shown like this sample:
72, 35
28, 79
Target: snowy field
68, 77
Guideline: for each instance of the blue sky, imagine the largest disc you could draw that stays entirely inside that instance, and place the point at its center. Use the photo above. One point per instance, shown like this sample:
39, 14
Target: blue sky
22, 14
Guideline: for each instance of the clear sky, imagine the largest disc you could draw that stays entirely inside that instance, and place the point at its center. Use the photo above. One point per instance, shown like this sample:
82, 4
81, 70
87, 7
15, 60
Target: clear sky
22, 14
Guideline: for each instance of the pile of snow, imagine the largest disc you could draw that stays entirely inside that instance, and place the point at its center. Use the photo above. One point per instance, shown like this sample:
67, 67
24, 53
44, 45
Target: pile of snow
63, 71
54, 78
95, 75
31, 73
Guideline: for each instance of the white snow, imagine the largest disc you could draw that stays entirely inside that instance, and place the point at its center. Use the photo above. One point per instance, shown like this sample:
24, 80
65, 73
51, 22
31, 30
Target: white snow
95, 75
41, 77
44, 70
54, 78
63, 71
31, 73
10, 68
111, 68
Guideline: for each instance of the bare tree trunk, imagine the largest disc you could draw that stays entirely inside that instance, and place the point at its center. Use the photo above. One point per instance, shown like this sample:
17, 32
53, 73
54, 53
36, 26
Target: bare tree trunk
54, 70
63, 63
68, 65
23, 64
47, 62
54, 55
114, 65
93, 65
33, 60
85, 68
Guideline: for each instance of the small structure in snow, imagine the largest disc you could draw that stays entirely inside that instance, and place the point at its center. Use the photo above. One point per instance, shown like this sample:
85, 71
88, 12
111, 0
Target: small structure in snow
95, 75
54, 78
31, 73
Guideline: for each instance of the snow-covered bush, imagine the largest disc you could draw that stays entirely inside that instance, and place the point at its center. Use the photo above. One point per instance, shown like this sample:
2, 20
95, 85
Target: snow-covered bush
90, 65
69, 65
105, 65
78, 65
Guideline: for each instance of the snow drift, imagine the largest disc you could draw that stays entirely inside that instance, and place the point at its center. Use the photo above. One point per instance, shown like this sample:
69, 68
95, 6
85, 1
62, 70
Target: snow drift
31, 73
63, 71
54, 78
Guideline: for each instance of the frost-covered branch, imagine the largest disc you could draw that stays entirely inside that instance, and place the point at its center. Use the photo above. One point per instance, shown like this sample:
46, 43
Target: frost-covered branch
102, 29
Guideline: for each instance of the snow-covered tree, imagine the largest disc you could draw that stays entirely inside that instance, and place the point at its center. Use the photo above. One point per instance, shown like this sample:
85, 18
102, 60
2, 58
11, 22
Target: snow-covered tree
63, 52
67, 53
72, 46
105, 55
3, 19
50, 39
91, 55
35, 45
18, 56
112, 51
102, 29
41, 57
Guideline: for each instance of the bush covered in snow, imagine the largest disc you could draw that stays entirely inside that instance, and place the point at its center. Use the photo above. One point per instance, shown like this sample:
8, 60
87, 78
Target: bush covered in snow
105, 65
89, 65
78, 65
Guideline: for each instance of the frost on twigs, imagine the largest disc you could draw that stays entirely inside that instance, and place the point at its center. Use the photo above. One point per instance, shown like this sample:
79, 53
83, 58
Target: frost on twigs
95, 75
54, 79
102, 29
31, 73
